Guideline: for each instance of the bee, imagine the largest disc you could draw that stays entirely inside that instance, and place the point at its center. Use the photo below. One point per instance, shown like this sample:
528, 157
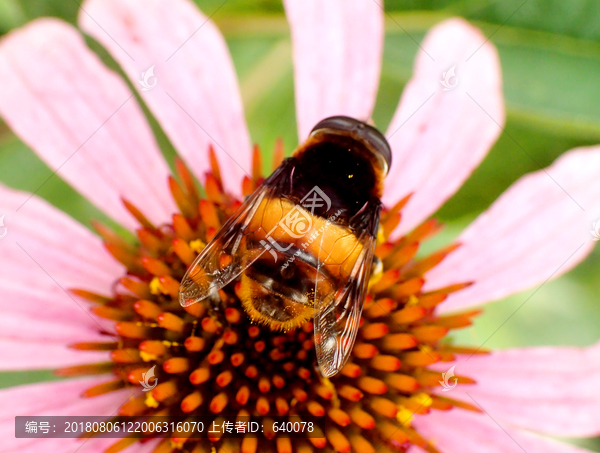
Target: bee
302, 244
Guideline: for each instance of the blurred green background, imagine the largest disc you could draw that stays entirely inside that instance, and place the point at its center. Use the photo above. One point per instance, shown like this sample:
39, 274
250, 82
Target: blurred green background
550, 56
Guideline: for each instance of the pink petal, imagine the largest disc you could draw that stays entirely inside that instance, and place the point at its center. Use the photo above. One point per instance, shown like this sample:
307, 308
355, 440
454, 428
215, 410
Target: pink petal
57, 398
337, 58
21, 354
535, 231
71, 253
81, 120
548, 390
45, 253
461, 431
439, 137
62, 398
196, 98
28, 326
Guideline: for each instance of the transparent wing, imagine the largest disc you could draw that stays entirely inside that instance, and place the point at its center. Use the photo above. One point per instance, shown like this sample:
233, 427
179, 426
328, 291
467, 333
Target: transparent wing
227, 255
337, 317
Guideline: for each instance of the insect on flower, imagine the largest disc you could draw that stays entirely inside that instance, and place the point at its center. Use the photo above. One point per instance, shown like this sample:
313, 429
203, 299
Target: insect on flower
317, 215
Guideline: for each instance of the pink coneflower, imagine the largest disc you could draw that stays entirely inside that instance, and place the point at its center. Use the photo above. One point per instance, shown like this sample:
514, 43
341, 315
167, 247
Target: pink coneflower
90, 304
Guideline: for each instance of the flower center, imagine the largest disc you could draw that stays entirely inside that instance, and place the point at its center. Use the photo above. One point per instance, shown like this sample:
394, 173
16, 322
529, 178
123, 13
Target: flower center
210, 360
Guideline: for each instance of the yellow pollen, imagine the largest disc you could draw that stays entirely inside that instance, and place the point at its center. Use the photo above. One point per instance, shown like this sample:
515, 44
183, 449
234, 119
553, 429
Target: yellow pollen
412, 301
404, 415
376, 274
423, 399
197, 245
335, 401
156, 287
150, 401
425, 348
381, 238
147, 357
